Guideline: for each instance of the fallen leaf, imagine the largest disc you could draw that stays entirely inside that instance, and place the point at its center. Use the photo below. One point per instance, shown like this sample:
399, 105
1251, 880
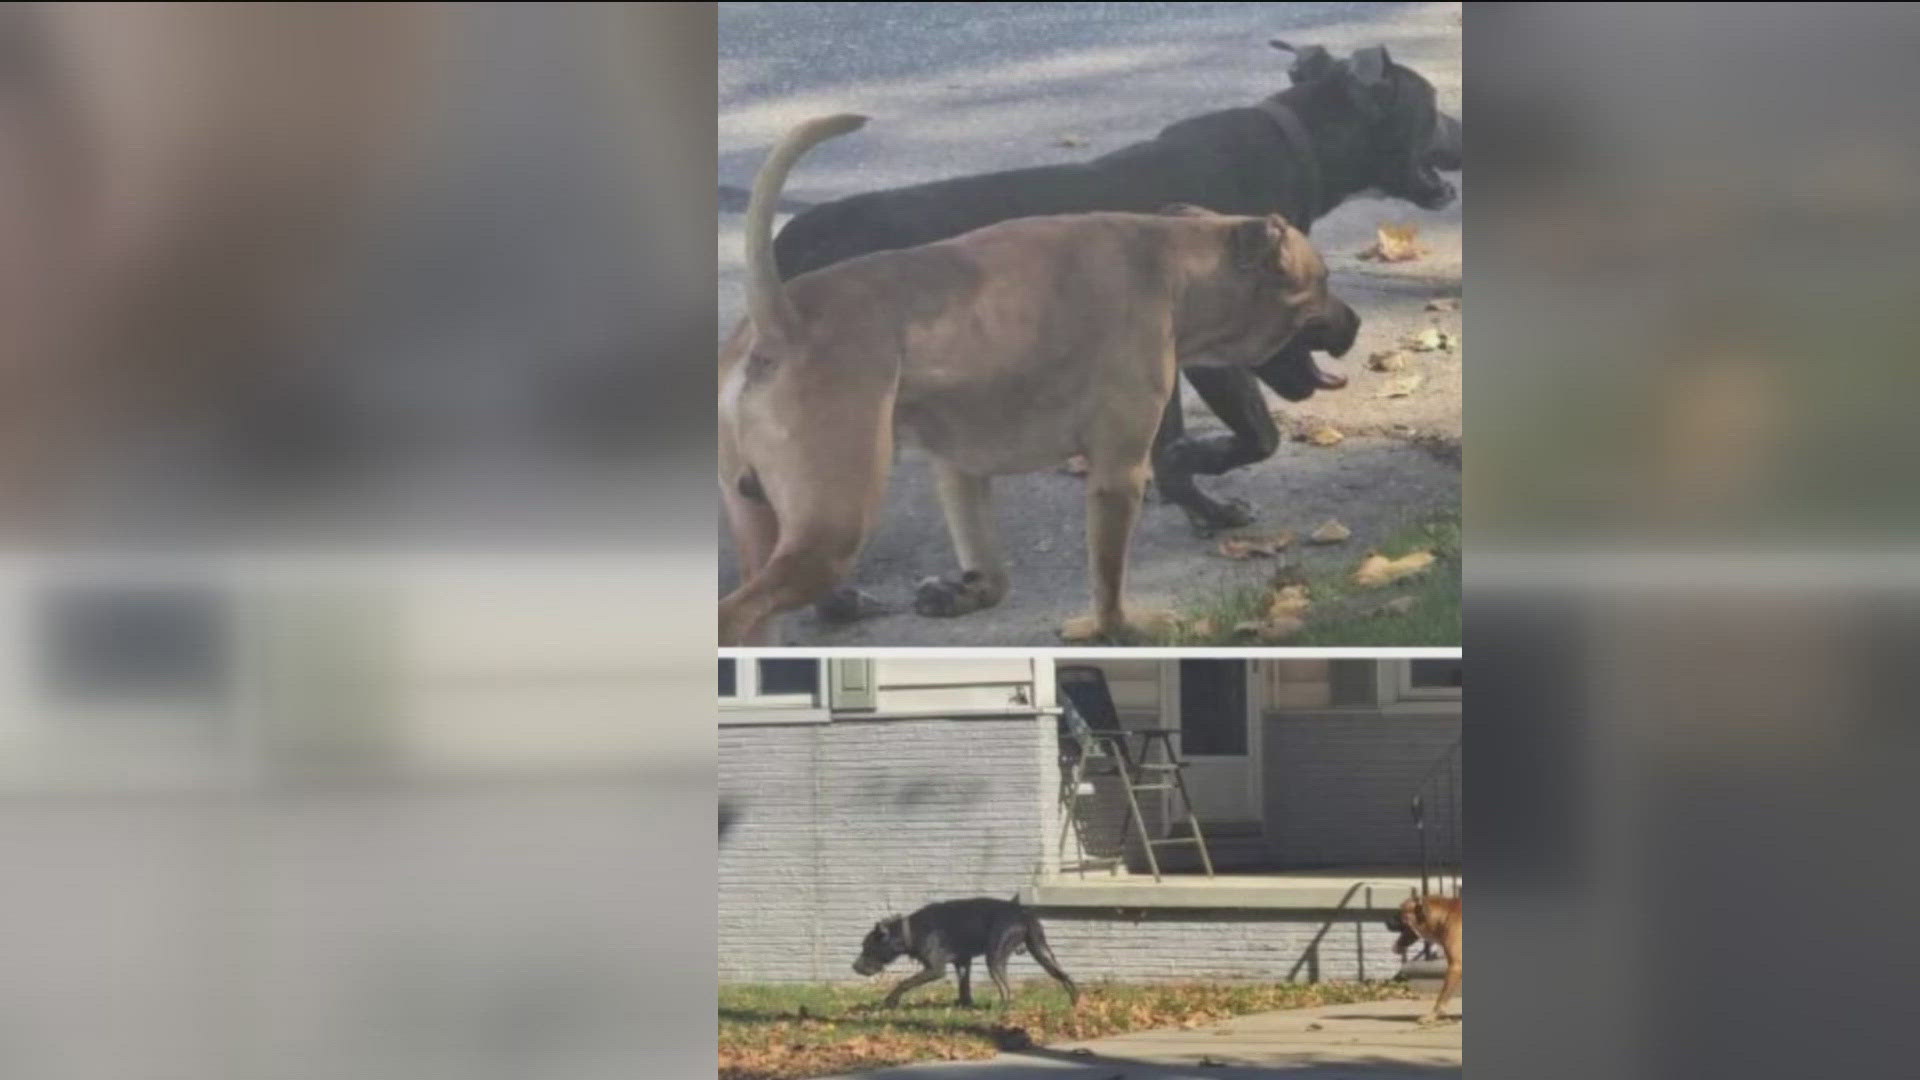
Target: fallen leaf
1398, 606
1330, 532
1432, 339
1202, 627
1325, 435
1043, 545
1075, 466
1377, 570
1316, 1027
1402, 386
1451, 303
1071, 141
1290, 602
1255, 547
1394, 243
1270, 630
1390, 360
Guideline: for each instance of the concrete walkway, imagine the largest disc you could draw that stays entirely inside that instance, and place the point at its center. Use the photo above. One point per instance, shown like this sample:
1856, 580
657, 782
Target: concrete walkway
1376, 1041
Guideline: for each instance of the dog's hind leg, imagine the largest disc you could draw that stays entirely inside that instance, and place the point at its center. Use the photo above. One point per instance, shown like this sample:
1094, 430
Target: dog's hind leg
997, 969
1042, 955
982, 581
807, 563
756, 531
824, 508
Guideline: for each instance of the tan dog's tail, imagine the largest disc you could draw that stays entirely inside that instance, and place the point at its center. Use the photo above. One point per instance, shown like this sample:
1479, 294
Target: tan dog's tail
767, 303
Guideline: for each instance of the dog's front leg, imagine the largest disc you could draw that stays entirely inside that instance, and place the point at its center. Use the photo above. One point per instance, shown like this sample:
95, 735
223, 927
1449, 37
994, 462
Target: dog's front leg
932, 973
1447, 988
1113, 505
1450, 934
1234, 395
982, 581
963, 970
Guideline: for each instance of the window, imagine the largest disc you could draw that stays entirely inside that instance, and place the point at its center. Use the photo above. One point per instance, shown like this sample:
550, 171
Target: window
1213, 708
1423, 680
162, 644
770, 683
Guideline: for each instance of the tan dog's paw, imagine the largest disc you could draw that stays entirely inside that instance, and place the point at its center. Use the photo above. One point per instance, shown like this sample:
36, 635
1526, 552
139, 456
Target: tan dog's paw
1149, 624
1152, 623
1428, 1020
1080, 628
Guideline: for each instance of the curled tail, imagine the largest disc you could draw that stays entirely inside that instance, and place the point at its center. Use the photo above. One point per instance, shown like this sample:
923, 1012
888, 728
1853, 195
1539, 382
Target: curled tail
767, 304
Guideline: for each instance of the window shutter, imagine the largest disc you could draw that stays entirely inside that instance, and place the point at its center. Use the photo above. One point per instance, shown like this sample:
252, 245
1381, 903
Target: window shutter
850, 685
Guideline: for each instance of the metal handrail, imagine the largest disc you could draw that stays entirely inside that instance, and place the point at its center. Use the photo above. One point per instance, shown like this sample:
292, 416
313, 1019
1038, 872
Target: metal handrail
1442, 777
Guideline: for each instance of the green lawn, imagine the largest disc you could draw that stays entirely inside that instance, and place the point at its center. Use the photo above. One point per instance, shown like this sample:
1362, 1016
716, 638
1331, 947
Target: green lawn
788, 1032
1343, 613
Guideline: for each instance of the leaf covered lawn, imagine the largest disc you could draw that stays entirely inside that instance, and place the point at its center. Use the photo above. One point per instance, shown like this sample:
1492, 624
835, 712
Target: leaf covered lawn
790, 1032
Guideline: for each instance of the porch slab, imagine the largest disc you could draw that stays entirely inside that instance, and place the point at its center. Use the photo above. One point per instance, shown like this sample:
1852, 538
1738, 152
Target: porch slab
1305, 891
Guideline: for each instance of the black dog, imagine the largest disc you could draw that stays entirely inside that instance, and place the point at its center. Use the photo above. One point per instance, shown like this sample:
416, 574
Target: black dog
956, 931
1345, 126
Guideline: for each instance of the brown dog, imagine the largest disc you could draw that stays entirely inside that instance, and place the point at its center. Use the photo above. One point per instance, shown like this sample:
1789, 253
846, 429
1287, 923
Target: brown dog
1436, 920
1006, 350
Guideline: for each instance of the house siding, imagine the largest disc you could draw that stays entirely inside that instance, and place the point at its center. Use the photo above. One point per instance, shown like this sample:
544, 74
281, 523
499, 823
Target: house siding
1174, 945
1338, 785
845, 822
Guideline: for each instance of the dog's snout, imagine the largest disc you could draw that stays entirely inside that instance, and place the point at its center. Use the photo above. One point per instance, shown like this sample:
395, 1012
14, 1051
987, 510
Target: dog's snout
1448, 153
1343, 329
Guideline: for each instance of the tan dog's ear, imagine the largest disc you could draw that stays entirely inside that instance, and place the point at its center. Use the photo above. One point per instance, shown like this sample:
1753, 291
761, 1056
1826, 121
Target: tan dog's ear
1258, 244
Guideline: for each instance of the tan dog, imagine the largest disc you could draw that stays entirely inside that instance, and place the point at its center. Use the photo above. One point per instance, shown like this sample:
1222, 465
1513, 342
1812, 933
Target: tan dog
1436, 920
1006, 350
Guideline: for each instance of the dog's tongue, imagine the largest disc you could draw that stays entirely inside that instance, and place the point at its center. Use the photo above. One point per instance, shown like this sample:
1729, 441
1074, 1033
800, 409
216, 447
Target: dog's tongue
1328, 380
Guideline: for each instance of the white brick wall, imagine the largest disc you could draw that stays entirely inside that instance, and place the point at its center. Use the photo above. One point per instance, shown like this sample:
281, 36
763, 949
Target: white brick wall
843, 823
1337, 785
1174, 945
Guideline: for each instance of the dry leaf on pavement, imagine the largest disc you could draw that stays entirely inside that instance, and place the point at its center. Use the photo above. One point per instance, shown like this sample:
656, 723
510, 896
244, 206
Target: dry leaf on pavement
1290, 602
1331, 532
1377, 570
1270, 630
1394, 243
1401, 386
1255, 547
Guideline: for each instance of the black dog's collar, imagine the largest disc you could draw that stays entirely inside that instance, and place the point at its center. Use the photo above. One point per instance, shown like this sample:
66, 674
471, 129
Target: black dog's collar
1295, 133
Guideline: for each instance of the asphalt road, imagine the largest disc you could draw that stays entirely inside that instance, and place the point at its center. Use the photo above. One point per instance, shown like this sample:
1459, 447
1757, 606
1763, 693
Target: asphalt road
960, 88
